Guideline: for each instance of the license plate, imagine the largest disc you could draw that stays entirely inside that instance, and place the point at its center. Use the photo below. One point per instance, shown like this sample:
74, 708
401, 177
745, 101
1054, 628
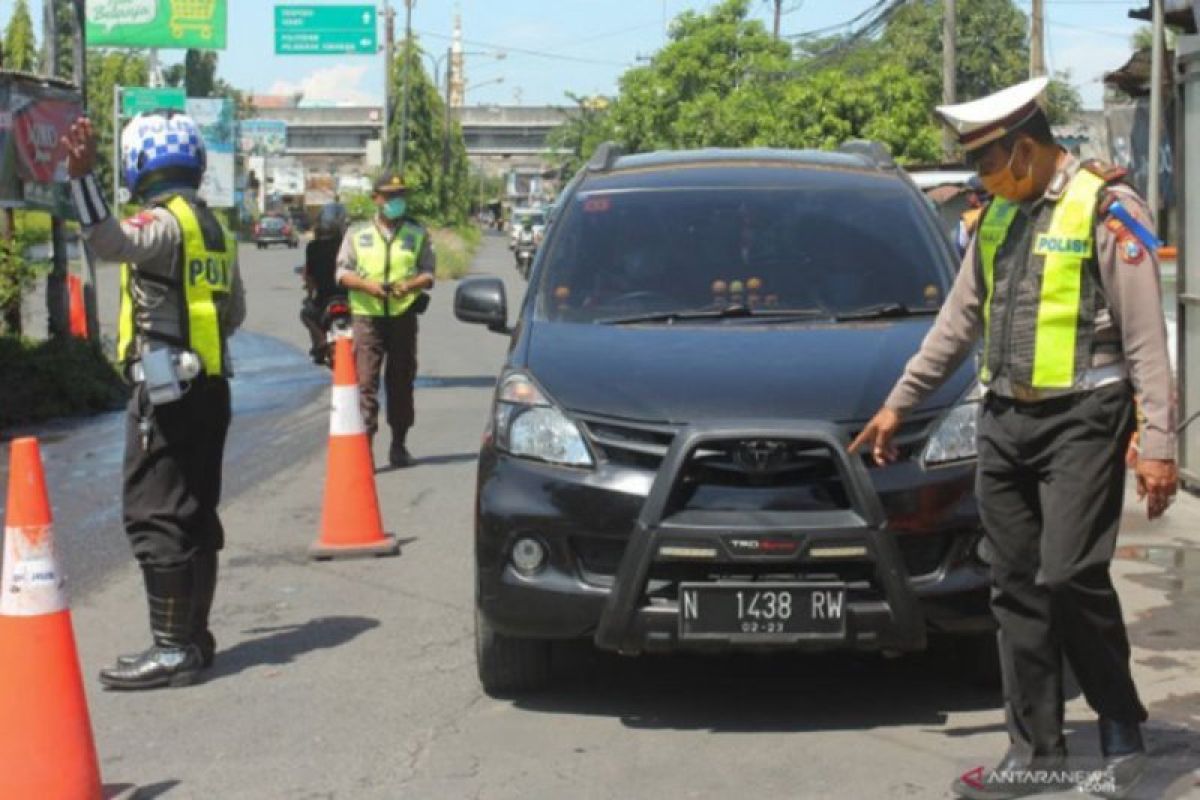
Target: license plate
783, 611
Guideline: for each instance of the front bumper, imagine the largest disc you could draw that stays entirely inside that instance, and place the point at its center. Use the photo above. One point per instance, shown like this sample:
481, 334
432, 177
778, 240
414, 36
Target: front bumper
629, 604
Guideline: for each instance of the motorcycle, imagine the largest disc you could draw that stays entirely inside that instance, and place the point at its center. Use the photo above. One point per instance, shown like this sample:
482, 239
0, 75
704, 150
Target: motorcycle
326, 319
525, 251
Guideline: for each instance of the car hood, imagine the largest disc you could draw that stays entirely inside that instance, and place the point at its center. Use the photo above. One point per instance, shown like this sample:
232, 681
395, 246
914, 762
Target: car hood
834, 372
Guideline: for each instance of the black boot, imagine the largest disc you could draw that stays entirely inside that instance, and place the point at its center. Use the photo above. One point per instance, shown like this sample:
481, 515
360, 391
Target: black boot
1125, 759
1015, 776
175, 659
398, 455
205, 583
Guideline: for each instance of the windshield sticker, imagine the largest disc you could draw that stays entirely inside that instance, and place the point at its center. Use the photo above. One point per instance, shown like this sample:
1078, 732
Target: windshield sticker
597, 205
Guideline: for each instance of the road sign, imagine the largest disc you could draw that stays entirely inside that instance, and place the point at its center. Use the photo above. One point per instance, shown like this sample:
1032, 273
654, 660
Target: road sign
325, 30
139, 99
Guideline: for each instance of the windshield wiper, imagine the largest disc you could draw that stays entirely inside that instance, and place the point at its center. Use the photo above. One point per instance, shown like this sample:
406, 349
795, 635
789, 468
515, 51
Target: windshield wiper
883, 311
729, 312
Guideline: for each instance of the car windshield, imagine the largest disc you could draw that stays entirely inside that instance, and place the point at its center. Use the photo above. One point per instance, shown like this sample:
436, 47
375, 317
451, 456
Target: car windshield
272, 223
821, 245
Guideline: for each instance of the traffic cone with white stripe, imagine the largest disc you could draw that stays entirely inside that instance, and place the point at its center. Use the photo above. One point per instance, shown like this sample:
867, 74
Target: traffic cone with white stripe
46, 745
350, 522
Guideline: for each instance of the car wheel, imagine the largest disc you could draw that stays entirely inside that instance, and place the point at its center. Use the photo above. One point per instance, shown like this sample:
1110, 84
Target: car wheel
508, 665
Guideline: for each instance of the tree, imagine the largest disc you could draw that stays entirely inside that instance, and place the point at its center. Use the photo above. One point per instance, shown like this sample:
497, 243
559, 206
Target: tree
423, 172
585, 128
105, 71
197, 74
20, 44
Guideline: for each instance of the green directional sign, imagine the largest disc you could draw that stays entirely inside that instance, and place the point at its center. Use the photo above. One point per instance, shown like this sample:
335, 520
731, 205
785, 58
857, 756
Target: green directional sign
139, 99
325, 30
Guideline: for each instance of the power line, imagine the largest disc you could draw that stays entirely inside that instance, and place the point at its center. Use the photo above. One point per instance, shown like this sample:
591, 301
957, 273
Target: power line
523, 51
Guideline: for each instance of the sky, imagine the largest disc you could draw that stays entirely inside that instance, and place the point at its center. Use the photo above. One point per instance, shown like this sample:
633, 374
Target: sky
552, 47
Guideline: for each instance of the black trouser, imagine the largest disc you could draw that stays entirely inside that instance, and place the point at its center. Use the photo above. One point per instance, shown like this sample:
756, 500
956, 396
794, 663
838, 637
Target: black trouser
173, 483
392, 340
1051, 489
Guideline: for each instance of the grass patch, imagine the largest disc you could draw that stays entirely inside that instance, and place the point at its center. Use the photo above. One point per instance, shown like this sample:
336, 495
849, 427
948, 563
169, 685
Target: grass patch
55, 378
455, 249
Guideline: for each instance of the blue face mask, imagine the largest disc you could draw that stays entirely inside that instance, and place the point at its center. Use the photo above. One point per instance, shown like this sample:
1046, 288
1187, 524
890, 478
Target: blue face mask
395, 208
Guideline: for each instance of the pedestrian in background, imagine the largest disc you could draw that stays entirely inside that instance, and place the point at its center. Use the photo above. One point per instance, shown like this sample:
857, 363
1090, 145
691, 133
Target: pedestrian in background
387, 264
181, 299
1061, 284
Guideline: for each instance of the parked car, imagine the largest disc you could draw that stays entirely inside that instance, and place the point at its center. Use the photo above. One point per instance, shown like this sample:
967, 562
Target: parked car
271, 230
665, 467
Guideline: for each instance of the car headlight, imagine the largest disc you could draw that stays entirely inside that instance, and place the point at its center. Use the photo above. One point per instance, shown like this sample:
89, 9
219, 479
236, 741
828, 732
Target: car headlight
526, 423
954, 438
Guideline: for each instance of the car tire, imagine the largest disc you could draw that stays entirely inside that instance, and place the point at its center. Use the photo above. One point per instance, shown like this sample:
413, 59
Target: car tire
508, 665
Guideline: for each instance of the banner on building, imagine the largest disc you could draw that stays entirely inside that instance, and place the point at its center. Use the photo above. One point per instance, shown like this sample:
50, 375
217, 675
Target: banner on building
197, 24
214, 117
262, 137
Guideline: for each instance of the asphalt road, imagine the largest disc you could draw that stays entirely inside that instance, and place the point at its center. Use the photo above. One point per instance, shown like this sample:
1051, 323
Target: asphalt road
356, 679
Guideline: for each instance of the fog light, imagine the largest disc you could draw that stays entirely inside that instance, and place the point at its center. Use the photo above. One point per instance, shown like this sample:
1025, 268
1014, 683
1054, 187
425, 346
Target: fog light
528, 556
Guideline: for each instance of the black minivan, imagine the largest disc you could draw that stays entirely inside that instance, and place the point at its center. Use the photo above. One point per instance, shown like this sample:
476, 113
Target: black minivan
665, 465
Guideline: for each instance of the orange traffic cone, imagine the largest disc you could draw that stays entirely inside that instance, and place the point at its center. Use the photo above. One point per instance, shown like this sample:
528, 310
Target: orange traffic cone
46, 746
77, 315
350, 522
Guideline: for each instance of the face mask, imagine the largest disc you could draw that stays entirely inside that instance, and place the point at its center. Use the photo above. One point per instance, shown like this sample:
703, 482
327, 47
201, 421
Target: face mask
1003, 183
395, 208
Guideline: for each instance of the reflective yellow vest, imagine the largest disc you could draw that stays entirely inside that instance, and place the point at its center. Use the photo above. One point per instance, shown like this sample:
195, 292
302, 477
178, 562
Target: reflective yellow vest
1038, 315
379, 261
205, 274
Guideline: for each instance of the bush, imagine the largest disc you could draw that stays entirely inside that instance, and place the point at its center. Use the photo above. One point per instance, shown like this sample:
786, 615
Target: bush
55, 378
455, 249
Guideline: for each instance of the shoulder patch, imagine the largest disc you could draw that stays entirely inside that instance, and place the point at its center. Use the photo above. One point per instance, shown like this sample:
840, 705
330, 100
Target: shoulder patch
366, 239
1130, 250
141, 220
1109, 173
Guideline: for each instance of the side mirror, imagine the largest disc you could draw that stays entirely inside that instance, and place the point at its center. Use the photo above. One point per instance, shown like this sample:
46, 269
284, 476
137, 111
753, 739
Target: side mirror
482, 301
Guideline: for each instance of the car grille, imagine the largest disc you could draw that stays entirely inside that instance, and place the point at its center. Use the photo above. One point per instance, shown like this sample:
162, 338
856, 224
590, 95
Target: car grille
630, 444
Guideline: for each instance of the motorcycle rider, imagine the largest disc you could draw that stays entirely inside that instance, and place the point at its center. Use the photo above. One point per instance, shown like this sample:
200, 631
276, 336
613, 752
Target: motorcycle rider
320, 280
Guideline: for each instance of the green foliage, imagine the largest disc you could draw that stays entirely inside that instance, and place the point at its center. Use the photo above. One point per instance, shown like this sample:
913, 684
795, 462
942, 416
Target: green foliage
723, 81
434, 195
585, 128
455, 249
106, 70
20, 44
54, 378
196, 74
359, 206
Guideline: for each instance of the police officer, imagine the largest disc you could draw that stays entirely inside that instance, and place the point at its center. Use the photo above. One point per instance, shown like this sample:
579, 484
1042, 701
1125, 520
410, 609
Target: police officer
386, 264
1061, 285
181, 298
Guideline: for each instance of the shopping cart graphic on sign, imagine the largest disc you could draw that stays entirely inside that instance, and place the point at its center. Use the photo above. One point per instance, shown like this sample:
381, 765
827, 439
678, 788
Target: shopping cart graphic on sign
192, 15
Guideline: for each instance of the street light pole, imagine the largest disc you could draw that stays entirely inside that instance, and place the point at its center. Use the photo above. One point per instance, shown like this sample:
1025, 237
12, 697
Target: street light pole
1156, 103
389, 80
446, 138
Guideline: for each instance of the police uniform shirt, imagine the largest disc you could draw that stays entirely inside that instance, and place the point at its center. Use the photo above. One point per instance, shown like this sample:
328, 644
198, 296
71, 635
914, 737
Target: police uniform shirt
152, 240
347, 258
1130, 281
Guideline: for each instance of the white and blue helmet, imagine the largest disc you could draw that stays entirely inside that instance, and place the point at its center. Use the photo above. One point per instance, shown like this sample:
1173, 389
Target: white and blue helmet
158, 141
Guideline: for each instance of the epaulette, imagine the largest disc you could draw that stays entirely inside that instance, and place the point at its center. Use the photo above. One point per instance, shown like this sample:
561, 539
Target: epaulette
1109, 173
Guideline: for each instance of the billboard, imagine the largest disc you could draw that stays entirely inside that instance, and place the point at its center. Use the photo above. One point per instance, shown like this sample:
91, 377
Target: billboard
38, 116
259, 137
214, 117
198, 24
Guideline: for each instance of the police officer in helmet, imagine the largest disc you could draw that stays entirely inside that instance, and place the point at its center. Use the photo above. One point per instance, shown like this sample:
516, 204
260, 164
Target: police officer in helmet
1060, 288
181, 298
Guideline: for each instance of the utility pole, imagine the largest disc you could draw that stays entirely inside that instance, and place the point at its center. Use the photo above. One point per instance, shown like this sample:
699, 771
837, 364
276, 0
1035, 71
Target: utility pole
1156, 93
389, 80
1037, 40
408, 7
56, 281
446, 132
778, 15
949, 69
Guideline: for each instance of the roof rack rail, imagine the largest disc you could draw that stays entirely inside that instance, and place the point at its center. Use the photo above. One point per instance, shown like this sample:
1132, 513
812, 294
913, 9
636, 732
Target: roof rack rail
605, 156
876, 154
